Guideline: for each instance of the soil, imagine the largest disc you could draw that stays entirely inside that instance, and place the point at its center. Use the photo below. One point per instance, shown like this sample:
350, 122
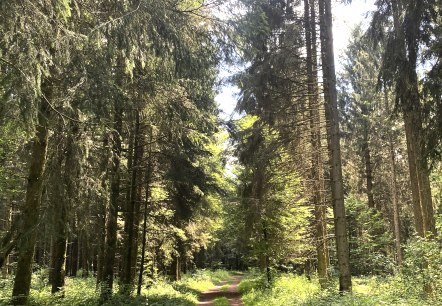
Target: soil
208, 297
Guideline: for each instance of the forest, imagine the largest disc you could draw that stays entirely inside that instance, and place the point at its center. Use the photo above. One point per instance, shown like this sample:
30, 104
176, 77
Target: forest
122, 182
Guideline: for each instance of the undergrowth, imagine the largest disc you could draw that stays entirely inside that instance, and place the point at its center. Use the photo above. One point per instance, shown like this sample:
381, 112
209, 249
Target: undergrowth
290, 289
222, 301
82, 291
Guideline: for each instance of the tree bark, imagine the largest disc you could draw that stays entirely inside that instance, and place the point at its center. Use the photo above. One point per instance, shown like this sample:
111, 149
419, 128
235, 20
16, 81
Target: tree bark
417, 211
145, 212
74, 252
316, 175
64, 196
414, 180
101, 213
419, 174
132, 213
414, 110
30, 213
367, 159
4, 255
58, 271
333, 133
9, 241
174, 270
59, 234
407, 91
266, 255
85, 255
394, 190
112, 211
125, 283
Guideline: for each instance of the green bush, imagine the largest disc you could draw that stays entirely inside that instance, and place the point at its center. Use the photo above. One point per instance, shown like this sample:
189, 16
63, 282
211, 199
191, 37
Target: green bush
286, 289
165, 294
422, 269
289, 289
82, 291
222, 301
369, 239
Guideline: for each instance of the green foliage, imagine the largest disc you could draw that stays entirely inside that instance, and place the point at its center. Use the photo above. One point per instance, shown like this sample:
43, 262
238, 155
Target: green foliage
12, 139
164, 294
270, 219
422, 269
436, 189
370, 239
79, 291
225, 287
5, 290
203, 280
222, 301
432, 91
289, 289
82, 291
286, 289
186, 291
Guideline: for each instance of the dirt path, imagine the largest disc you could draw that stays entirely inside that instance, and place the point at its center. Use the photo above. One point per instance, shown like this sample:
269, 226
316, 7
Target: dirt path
231, 293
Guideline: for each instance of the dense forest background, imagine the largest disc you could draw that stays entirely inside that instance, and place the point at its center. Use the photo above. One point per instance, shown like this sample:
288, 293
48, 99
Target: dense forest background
116, 167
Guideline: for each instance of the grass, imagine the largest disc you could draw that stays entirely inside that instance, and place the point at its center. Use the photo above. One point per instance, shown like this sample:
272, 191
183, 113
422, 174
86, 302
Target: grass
285, 289
186, 291
289, 289
222, 301
81, 291
225, 287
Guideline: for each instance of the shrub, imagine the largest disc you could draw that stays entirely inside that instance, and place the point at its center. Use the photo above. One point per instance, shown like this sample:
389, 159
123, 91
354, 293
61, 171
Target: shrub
422, 269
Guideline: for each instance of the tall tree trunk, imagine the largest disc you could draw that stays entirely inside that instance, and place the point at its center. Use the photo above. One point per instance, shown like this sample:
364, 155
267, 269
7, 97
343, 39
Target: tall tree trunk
394, 190
407, 91
174, 270
266, 255
64, 198
58, 271
367, 159
178, 269
419, 174
139, 150
128, 211
145, 212
333, 136
4, 257
59, 233
74, 251
414, 109
417, 211
9, 241
133, 211
101, 213
31, 209
112, 211
395, 206
316, 175
83, 254
414, 181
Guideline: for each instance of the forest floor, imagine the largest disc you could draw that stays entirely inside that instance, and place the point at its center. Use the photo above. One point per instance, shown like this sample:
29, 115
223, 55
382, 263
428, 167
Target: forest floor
223, 288
291, 289
225, 292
